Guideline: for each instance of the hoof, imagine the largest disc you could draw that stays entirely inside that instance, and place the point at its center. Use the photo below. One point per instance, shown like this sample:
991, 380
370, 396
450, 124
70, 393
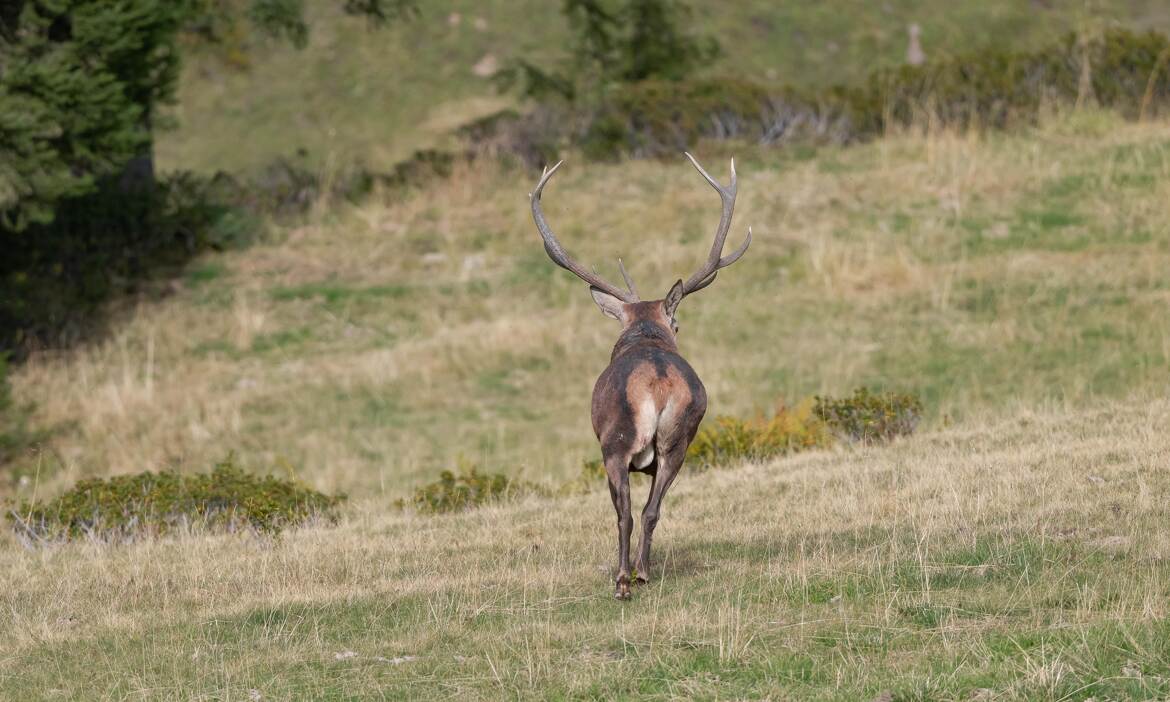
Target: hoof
642, 579
622, 592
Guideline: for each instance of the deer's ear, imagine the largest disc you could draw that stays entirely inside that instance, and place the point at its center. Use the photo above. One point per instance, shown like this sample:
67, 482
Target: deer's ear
610, 305
673, 297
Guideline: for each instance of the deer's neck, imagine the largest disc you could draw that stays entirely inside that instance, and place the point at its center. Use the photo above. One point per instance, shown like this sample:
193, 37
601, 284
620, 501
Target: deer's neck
644, 334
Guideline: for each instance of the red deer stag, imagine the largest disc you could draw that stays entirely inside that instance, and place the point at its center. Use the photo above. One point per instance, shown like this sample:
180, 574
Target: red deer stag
648, 403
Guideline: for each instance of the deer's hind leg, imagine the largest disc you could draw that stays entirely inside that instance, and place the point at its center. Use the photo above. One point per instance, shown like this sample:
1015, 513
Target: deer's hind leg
669, 464
618, 475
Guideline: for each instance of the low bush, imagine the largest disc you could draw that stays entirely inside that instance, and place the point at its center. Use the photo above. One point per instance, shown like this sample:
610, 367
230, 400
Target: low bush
465, 489
130, 507
993, 88
864, 416
729, 440
869, 417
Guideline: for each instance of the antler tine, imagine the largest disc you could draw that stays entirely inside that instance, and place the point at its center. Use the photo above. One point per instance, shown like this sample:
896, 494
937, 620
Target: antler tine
629, 280
706, 274
557, 252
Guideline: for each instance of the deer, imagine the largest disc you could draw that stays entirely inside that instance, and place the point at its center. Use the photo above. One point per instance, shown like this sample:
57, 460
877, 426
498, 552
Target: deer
648, 402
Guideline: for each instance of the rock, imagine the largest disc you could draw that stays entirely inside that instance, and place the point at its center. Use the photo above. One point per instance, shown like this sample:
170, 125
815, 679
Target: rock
472, 263
486, 66
1112, 543
433, 258
454, 19
397, 660
344, 655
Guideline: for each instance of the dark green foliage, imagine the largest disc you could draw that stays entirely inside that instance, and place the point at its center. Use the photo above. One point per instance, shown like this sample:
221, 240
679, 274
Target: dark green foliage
128, 507
82, 216
656, 117
661, 114
79, 80
656, 47
282, 19
1119, 69
870, 417
381, 11
54, 276
615, 42
469, 488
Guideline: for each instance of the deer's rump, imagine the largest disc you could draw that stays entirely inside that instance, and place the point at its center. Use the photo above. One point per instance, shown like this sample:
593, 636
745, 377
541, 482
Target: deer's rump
659, 400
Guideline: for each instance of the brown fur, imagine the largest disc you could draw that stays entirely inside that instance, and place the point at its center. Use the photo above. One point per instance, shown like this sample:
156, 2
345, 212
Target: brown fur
648, 398
648, 403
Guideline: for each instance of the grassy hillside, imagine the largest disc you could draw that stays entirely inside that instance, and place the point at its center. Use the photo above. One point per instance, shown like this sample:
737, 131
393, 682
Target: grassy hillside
373, 97
374, 346
1023, 560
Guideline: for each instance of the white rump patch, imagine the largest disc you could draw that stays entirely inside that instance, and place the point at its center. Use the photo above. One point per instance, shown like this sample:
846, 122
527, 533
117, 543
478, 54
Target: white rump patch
646, 424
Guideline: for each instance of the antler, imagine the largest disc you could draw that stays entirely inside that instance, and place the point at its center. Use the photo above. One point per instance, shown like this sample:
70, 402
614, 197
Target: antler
706, 275
557, 252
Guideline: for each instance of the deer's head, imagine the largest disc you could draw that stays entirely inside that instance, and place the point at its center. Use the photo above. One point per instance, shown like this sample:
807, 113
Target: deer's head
624, 305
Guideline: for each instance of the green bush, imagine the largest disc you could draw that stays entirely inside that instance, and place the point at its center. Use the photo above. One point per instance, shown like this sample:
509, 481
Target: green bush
129, 507
1120, 69
469, 488
869, 417
817, 422
729, 440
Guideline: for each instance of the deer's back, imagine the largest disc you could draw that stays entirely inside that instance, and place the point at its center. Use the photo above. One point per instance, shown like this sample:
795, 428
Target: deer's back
646, 395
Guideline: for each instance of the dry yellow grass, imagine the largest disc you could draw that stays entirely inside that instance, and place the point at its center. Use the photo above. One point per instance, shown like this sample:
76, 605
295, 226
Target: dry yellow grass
1027, 557
371, 346
1015, 550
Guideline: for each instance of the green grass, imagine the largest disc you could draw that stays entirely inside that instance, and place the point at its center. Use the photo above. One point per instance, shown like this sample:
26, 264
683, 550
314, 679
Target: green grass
361, 96
1014, 549
956, 564
377, 345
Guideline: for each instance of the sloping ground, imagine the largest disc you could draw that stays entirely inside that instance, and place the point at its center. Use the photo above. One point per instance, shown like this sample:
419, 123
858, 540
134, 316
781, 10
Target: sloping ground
373, 97
1026, 559
372, 347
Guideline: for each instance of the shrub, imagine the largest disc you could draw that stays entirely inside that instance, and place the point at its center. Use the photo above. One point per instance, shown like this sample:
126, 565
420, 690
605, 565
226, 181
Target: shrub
469, 488
730, 440
869, 417
128, 507
864, 416
1119, 69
